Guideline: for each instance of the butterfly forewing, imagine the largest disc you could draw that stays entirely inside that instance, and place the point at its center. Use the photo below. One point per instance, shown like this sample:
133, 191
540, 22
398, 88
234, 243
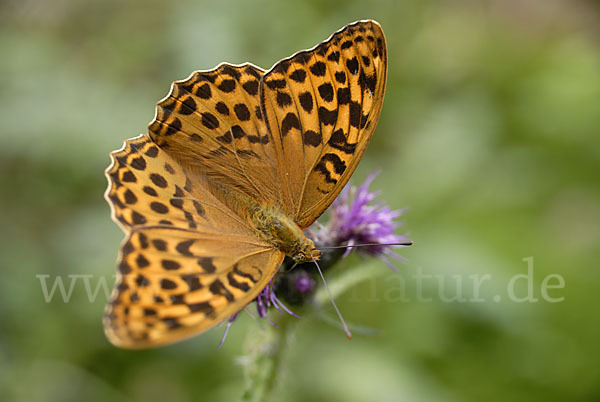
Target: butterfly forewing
322, 106
212, 123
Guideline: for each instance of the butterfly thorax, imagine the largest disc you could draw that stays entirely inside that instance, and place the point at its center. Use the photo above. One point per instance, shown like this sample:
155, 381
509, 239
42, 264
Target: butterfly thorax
281, 231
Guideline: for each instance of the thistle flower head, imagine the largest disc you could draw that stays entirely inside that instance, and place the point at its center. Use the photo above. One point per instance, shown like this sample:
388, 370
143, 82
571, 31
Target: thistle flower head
355, 218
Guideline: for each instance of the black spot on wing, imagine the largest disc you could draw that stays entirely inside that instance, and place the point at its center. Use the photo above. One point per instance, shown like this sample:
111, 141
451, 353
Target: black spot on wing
298, 75
318, 69
328, 117
176, 202
242, 112
208, 77
143, 240
243, 286
207, 264
167, 284
312, 138
347, 44
227, 85
276, 84
283, 99
371, 82
171, 322
124, 268
138, 163
158, 180
141, 261
183, 247
188, 106
152, 152
169, 168
253, 72
192, 281
352, 65
199, 209
340, 77
289, 121
339, 166
159, 207
326, 91
203, 91
239, 272
173, 127
343, 96
338, 141
218, 289
232, 72
129, 177
142, 281
170, 265
226, 138
177, 299
237, 132
137, 218
251, 87
364, 121
159, 244
210, 121
130, 197
222, 108
306, 101
355, 114
202, 307
283, 67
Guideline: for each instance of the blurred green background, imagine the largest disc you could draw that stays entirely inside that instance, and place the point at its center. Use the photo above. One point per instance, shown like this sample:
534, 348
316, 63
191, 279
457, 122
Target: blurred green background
489, 133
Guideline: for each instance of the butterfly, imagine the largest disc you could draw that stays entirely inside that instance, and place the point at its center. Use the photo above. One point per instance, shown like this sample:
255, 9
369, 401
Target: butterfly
237, 162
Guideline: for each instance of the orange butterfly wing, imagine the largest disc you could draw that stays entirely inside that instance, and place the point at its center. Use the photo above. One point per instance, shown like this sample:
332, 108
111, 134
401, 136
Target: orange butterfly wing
322, 106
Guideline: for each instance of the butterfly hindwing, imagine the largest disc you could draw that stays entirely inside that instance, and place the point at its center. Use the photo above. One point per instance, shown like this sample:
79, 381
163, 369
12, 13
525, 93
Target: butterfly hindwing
321, 106
178, 233
174, 283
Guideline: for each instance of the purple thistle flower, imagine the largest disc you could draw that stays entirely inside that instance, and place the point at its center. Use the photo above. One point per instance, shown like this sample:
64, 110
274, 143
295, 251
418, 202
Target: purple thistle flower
267, 298
356, 219
303, 283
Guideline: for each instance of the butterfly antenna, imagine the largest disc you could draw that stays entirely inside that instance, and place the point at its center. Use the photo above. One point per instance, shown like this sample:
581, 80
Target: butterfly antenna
406, 243
346, 330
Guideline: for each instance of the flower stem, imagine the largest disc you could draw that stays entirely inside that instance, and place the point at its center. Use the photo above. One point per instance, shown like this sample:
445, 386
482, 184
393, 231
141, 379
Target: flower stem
265, 351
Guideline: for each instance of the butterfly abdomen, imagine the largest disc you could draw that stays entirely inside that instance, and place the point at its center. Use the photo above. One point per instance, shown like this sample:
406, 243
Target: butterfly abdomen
281, 231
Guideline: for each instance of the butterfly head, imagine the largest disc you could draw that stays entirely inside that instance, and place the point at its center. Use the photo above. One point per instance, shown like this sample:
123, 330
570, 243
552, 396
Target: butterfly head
307, 253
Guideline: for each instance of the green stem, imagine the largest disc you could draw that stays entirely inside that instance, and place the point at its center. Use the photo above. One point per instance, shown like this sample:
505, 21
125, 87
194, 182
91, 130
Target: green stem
265, 352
